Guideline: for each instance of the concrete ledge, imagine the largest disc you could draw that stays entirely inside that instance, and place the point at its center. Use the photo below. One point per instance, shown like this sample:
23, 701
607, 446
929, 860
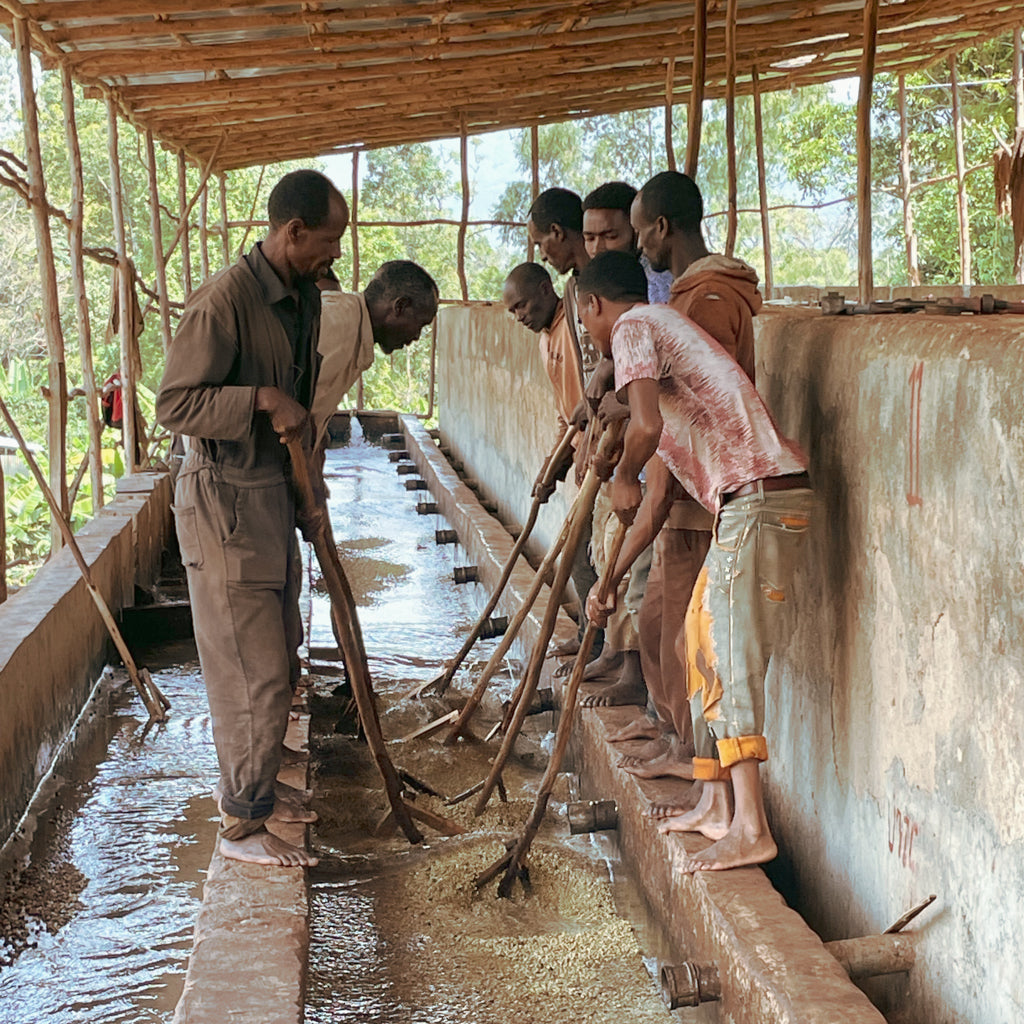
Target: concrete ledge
772, 966
248, 960
486, 542
53, 643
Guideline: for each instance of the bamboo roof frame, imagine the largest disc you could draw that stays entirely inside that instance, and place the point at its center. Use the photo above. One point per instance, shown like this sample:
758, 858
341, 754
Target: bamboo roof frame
242, 82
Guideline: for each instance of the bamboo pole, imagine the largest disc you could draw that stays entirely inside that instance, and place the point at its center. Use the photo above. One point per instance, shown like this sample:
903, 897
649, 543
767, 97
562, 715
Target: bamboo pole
158, 243
963, 216
124, 306
57, 398
186, 208
1018, 119
909, 234
76, 232
865, 268
354, 223
184, 211
699, 72
225, 233
204, 231
762, 184
156, 703
730, 125
534, 181
464, 168
670, 149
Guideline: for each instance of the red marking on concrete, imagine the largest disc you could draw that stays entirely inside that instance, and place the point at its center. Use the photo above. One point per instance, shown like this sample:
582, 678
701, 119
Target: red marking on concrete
914, 462
902, 830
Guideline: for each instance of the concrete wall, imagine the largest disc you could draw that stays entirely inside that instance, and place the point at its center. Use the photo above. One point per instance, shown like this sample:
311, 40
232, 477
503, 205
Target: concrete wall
896, 714
53, 643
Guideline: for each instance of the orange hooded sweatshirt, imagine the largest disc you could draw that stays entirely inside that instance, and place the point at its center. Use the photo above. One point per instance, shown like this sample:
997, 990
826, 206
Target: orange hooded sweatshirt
720, 295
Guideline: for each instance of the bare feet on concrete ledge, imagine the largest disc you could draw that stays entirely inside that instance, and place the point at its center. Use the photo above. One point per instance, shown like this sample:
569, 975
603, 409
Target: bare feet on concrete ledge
739, 847
608, 660
650, 750
689, 797
643, 727
629, 688
263, 847
711, 817
670, 764
566, 649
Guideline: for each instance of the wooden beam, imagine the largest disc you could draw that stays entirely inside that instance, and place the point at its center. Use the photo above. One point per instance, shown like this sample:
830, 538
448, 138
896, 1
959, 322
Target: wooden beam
1018, 79
464, 169
762, 188
909, 234
534, 181
186, 212
963, 217
124, 306
183, 232
354, 222
865, 267
730, 126
252, 212
76, 243
156, 228
696, 114
57, 399
670, 149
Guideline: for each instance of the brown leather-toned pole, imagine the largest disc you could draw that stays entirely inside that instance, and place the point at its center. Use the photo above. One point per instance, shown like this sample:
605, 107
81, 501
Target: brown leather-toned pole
350, 637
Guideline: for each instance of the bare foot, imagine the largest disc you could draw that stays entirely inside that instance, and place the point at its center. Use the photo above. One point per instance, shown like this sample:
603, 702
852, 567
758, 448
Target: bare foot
608, 660
262, 847
641, 728
669, 764
288, 810
711, 817
738, 848
649, 751
688, 799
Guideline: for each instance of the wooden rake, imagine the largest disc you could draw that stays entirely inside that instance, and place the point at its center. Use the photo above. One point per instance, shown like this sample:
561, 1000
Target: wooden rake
512, 862
350, 638
156, 703
443, 681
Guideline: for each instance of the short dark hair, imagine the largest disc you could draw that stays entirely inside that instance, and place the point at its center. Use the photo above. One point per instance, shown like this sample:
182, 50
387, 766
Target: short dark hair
557, 206
303, 194
616, 276
528, 275
674, 196
612, 195
402, 278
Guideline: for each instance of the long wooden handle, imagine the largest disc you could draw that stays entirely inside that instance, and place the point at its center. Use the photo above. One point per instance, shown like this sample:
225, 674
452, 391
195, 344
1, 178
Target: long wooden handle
584, 507
153, 705
346, 621
444, 681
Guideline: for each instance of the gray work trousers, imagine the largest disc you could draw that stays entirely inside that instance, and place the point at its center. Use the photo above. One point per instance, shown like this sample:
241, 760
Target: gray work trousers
237, 542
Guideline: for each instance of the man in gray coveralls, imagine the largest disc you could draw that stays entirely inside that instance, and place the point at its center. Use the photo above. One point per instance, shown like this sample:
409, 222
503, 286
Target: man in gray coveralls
239, 383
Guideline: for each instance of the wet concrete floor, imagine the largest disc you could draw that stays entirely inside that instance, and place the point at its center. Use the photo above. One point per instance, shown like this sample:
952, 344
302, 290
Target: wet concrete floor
98, 927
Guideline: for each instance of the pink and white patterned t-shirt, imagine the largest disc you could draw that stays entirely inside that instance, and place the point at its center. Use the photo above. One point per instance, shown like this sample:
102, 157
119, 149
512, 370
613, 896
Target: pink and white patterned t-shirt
717, 434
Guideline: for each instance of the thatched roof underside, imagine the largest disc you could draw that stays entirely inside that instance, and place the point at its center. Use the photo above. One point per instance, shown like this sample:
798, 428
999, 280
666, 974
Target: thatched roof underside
260, 82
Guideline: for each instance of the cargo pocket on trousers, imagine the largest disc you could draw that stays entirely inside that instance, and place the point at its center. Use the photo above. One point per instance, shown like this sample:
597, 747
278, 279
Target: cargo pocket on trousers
188, 537
256, 553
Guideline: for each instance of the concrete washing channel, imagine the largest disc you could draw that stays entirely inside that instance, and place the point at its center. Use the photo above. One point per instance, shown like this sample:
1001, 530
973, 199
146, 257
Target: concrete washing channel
382, 931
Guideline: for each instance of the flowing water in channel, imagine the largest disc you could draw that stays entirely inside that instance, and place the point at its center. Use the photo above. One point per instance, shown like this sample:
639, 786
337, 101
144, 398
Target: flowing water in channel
119, 854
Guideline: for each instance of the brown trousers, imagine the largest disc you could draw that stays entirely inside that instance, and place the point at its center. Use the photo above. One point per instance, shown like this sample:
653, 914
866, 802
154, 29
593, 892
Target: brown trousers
239, 550
678, 557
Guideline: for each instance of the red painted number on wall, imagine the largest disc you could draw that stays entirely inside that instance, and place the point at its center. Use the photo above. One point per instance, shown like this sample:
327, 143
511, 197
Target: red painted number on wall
902, 830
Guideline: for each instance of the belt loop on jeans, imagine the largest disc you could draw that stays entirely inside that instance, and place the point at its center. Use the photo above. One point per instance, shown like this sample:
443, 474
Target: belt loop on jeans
760, 490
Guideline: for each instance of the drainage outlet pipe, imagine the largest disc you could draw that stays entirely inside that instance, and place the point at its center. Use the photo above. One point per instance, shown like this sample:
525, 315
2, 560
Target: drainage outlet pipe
872, 955
399, 456
690, 984
416, 485
465, 574
494, 626
426, 508
393, 440
446, 537
405, 468
592, 816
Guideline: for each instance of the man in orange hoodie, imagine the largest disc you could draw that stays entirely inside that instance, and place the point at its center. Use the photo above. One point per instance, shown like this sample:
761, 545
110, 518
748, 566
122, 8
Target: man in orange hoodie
719, 294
